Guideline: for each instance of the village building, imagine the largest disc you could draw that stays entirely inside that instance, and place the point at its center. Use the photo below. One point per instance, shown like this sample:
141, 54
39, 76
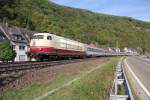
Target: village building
19, 39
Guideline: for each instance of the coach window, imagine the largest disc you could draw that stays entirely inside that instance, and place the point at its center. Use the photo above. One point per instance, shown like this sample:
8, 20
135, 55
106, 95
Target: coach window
88, 49
49, 38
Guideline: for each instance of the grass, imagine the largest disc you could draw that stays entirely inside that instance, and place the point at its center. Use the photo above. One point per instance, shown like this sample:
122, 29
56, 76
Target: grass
94, 86
30, 92
121, 89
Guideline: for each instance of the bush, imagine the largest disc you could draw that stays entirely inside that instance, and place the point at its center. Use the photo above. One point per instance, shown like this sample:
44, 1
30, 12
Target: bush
6, 52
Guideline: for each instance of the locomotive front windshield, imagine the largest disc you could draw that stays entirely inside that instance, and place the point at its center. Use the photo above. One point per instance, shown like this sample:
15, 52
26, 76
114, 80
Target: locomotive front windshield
38, 37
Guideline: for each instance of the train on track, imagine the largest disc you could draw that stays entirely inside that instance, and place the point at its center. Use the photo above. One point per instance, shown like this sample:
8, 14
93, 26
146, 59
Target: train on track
46, 46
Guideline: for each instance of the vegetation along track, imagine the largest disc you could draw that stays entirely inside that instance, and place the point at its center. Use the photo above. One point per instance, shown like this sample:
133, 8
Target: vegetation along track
11, 71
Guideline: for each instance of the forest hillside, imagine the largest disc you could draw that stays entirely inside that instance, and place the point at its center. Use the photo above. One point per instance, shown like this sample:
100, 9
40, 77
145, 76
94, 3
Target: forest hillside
79, 24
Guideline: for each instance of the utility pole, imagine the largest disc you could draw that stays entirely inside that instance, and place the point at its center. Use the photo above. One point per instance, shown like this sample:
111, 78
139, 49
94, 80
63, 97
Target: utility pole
117, 46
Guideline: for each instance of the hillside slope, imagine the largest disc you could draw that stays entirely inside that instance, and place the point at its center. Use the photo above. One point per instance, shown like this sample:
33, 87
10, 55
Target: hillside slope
78, 24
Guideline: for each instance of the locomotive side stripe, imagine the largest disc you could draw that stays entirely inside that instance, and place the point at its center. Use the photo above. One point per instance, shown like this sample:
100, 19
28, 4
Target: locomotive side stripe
49, 50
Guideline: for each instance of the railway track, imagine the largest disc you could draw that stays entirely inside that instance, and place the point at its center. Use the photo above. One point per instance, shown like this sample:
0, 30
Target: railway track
8, 68
15, 67
12, 71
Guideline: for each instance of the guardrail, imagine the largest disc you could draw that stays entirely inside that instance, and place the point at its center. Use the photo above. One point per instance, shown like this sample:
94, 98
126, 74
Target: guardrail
120, 89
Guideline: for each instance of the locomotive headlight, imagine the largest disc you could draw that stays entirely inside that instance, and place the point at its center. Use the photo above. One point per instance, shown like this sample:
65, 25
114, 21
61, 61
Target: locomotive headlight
40, 49
33, 43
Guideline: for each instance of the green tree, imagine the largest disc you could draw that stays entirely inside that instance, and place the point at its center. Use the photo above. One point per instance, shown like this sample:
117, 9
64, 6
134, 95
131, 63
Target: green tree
78, 24
6, 52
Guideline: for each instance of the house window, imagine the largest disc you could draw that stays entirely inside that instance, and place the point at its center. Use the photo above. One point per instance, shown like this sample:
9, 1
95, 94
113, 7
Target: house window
2, 37
21, 47
18, 37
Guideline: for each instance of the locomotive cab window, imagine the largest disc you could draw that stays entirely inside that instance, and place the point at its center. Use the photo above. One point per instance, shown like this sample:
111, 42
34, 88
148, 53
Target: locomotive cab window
38, 37
49, 38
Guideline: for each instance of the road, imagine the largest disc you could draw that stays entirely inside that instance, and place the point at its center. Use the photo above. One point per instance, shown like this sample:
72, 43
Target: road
141, 68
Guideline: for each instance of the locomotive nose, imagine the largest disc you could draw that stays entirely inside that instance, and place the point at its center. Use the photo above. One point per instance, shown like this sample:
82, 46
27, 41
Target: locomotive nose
40, 49
33, 44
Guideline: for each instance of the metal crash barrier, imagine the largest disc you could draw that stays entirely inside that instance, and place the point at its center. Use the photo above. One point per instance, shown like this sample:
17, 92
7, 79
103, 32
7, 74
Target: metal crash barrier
120, 89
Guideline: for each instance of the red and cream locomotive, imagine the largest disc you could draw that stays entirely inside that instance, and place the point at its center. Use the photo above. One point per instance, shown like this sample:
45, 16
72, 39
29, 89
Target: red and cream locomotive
47, 46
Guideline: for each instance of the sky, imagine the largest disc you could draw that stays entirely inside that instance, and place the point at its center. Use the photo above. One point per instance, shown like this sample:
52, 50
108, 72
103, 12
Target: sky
138, 9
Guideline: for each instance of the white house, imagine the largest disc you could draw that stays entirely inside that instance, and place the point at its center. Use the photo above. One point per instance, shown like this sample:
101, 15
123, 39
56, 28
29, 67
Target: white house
19, 39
